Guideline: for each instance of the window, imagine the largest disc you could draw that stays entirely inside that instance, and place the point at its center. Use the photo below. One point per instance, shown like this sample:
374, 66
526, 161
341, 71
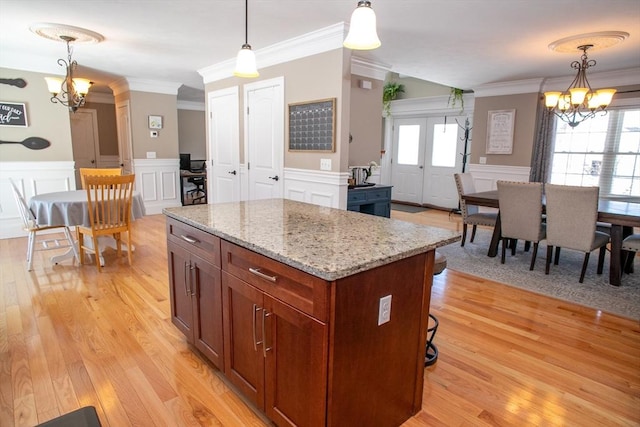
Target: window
445, 142
603, 151
408, 144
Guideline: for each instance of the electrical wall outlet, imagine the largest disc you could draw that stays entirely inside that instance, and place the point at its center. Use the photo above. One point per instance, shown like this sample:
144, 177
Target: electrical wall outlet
483, 160
384, 311
325, 164
151, 154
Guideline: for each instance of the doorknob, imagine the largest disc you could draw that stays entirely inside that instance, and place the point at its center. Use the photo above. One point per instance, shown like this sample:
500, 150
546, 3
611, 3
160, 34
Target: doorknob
232, 172
275, 178
93, 161
421, 167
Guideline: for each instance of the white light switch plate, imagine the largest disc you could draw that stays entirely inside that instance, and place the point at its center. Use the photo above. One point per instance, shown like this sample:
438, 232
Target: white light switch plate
151, 154
325, 164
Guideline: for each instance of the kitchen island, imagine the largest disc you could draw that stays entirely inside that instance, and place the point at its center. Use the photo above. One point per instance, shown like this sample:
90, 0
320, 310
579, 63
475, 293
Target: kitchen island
317, 315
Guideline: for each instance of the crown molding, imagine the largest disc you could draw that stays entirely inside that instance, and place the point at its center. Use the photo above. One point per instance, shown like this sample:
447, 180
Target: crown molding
508, 88
365, 68
100, 97
597, 80
190, 105
313, 43
125, 84
431, 105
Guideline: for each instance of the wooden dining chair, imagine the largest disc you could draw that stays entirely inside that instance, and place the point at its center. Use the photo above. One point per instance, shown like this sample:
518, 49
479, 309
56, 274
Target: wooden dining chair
109, 200
470, 213
521, 215
572, 212
99, 172
34, 243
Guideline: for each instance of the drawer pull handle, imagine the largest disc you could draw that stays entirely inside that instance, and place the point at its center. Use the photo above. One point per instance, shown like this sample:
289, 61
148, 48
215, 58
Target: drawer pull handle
258, 273
188, 239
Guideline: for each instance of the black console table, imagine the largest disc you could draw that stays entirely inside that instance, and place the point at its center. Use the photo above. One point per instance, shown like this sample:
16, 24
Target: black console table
373, 200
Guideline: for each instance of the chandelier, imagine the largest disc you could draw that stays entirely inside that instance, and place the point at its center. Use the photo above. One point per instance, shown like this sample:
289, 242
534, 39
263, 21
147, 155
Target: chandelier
246, 59
362, 28
579, 102
70, 91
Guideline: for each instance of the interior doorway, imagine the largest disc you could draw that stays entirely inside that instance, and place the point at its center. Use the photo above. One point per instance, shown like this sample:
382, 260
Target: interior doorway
85, 140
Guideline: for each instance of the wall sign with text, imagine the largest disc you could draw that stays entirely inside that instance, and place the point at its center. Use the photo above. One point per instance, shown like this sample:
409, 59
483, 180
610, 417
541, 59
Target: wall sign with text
13, 114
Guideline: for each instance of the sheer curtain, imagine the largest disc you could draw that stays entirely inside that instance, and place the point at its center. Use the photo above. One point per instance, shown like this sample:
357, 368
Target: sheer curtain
543, 145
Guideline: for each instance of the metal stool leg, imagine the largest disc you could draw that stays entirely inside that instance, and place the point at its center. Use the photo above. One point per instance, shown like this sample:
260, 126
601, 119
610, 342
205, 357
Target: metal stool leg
431, 351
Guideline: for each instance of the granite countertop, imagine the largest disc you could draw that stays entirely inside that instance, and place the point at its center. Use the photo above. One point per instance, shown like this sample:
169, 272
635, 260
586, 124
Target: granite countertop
325, 242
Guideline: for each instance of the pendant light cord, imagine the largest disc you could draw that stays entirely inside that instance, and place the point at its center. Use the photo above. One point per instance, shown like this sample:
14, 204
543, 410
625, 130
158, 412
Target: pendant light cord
246, 21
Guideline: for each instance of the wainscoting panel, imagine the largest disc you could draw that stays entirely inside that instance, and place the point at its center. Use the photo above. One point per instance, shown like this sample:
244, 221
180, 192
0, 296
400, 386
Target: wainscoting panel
158, 181
485, 177
316, 187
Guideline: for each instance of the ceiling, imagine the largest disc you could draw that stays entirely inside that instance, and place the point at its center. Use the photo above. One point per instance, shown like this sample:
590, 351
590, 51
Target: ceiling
458, 43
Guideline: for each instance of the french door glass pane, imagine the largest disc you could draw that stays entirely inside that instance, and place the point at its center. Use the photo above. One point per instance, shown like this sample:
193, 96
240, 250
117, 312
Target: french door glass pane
408, 144
444, 145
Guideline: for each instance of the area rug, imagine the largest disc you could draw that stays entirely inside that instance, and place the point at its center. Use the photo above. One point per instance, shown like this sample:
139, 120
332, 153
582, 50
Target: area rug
562, 281
407, 208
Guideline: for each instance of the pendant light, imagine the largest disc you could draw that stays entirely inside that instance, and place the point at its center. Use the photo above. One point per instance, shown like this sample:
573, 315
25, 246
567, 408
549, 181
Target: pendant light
246, 59
362, 29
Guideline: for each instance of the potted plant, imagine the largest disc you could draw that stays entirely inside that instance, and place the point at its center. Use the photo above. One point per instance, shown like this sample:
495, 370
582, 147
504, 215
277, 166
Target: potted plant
456, 95
389, 93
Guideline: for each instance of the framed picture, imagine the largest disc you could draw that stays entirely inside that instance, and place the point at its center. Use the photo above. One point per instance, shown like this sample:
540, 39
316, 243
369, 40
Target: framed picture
500, 128
155, 122
13, 114
312, 125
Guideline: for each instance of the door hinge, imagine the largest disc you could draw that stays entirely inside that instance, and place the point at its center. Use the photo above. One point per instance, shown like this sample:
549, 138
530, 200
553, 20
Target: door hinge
248, 165
247, 110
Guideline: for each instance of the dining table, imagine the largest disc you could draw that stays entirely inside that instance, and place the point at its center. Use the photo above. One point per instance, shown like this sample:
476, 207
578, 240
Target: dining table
623, 216
71, 208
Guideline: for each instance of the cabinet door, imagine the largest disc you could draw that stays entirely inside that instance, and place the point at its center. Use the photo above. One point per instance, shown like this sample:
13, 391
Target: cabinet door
296, 366
207, 310
179, 286
243, 351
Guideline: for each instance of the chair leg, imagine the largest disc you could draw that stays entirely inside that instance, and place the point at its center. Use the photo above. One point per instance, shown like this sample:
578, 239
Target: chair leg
504, 249
548, 262
557, 259
584, 266
464, 234
513, 245
603, 251
527, 246
533, 256
129, 246
31, 245
473, 233
81, 247
96, 249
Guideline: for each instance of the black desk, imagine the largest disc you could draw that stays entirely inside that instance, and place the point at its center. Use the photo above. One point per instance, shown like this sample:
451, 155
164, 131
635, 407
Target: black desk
622, 216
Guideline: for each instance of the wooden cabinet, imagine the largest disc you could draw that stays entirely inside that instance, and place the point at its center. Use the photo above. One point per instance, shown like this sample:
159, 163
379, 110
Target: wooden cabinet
274, 353
306, 351
195, 288
374, 200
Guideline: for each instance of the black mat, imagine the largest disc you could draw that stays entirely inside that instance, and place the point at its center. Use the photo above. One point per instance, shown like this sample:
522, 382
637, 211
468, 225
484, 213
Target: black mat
407, 208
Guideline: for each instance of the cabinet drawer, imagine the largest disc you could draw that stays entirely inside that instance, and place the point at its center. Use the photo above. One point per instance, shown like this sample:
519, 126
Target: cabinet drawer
383, 194
198, 242
356, 196
303, 291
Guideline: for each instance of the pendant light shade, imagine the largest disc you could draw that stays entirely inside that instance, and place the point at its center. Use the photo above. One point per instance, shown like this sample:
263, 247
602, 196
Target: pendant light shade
246, 59
362, 29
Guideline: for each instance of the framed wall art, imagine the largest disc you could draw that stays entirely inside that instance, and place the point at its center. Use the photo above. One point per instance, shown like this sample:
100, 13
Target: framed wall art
500, 128
312, 125
13, 114
155, 122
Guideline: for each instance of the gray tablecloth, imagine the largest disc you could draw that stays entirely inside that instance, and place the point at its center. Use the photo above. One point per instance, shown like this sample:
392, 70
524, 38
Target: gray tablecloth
71, 208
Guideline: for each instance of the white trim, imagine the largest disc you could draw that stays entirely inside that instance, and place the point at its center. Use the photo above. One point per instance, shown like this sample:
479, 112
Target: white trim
365, 68
597, 80
485, 177
100, 98
322, 188
433, 105
508, 88
191, 105
313, 43
125, 84
158, 181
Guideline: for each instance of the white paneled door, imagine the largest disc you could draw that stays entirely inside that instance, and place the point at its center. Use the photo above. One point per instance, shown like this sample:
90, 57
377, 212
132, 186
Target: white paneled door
85, 140
407, 164
224, 146
264, 138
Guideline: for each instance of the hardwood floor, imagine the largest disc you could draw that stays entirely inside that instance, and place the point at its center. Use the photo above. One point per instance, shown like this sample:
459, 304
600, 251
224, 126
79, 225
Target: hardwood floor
71, 337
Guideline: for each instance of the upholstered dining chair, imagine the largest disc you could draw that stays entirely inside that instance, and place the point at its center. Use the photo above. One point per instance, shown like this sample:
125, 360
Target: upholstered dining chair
97, 171
631, 244
109, 199
30, 225
571, 223
470, 213
521, 215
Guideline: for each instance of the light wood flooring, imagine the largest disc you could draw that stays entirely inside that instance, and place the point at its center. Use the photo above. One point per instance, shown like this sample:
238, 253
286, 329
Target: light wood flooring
70, 337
